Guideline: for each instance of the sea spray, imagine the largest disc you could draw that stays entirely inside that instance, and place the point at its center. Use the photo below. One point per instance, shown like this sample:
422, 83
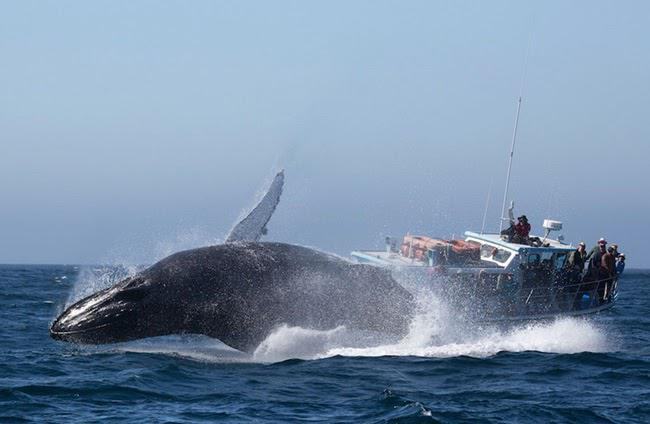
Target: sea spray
438, 331
92, 279
196, 347
563, 335
296, 342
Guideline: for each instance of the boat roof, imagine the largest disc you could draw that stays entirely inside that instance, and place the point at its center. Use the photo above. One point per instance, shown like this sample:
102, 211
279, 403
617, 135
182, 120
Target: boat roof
497, 240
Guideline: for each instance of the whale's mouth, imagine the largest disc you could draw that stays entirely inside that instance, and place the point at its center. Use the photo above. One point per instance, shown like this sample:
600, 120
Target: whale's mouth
108, 316
67, 335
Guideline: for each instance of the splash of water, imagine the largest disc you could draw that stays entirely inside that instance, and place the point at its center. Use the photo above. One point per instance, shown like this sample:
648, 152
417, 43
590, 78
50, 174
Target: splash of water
437, 331
564, 335
92, 279
297, 342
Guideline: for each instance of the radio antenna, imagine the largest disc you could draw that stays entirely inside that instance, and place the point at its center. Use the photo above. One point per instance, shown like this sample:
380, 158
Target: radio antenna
514, 135
487, 205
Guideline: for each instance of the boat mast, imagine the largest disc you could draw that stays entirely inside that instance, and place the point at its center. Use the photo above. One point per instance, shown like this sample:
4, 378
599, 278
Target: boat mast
487, 205
514, 132
512, 152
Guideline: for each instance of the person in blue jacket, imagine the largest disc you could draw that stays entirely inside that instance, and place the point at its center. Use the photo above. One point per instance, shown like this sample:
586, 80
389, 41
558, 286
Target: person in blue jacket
620, 264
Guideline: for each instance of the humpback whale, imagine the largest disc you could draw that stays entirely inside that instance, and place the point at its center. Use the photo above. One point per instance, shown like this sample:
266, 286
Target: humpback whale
239, 292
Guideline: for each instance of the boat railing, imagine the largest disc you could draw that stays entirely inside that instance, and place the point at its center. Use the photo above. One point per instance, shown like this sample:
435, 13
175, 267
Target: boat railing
573, 297
506, 299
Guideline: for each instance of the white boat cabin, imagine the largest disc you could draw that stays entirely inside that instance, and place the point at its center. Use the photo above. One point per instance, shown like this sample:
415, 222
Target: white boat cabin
496, 255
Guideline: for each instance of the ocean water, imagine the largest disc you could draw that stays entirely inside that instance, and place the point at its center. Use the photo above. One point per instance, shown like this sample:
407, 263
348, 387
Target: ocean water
594, 369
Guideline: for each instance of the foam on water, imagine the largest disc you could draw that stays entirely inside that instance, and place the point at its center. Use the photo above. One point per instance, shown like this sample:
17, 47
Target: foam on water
437, 331
195, 347
565, 335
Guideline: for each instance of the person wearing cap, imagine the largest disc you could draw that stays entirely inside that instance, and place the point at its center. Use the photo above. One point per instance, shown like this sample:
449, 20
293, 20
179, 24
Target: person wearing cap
577, 258
595, 260
597, 249
615, 252
620, 264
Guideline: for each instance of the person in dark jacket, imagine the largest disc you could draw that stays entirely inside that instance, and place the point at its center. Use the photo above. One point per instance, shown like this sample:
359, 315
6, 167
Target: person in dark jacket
596, 249
620, 264
594, 261
519, 232
522, 230
577, 258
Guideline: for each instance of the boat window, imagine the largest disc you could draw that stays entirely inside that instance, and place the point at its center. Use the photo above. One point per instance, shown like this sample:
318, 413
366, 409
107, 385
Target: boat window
560, 258
533, 259
486, 251
547, 260
494, 253
501, 255
546, 256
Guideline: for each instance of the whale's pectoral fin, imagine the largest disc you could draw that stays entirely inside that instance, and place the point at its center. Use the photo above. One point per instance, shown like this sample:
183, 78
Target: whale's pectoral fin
253, 226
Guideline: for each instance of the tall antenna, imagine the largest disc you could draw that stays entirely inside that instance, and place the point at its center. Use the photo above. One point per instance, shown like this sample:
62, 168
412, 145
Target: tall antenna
512, 153
514, 135
487, 205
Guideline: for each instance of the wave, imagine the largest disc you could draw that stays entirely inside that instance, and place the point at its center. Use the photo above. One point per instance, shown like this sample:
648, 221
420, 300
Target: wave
439, 332
563, 335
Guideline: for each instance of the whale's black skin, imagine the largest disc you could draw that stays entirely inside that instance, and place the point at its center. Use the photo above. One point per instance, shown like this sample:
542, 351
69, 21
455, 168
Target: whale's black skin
238, 293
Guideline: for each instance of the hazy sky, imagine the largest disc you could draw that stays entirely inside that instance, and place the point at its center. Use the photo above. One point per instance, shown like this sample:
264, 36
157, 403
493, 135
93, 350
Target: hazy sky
133, 129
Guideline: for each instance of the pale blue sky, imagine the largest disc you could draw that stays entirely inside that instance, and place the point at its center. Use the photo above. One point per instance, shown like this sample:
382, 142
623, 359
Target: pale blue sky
132, 129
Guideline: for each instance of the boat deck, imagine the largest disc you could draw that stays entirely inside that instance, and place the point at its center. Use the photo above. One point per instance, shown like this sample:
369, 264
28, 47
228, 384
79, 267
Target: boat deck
395, 260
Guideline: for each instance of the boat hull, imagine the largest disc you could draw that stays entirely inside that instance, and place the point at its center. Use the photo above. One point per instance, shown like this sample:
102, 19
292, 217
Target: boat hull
495, 294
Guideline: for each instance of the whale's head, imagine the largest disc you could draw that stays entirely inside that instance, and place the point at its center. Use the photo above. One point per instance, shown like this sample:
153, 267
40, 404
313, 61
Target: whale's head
121, 313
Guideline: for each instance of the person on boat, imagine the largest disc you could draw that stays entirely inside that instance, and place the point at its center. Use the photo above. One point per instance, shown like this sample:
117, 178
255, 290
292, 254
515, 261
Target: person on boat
606, 274
519, 232
608, 263
522, 230
620, 264
597, 248
615, 252
575, 264
594, 260
577, 258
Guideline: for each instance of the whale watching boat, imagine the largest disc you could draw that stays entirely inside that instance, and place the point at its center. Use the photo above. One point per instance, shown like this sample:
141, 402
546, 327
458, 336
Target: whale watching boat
491, 278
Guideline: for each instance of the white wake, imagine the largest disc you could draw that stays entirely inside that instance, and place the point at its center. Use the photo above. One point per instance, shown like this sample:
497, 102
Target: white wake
436, 331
